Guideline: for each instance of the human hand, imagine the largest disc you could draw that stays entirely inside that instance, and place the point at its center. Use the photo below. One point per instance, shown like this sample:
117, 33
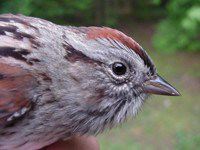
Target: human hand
75, 143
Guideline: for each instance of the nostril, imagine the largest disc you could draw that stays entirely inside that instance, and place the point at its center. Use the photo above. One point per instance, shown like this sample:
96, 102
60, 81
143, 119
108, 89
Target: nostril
148, 73
134, 71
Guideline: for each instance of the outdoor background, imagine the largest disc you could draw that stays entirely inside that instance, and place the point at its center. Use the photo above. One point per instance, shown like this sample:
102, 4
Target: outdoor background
170, 32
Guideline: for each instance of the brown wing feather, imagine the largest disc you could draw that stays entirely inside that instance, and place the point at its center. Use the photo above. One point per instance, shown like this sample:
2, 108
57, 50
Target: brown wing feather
16, 85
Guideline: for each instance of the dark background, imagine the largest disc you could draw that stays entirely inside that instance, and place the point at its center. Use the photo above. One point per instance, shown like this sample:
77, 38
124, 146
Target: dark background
170, 32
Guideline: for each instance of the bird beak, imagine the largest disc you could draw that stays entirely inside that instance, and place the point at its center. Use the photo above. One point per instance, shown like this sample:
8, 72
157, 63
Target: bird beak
159, 86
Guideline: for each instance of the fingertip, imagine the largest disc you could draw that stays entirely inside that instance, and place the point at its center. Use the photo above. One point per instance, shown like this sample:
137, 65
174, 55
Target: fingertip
76, 143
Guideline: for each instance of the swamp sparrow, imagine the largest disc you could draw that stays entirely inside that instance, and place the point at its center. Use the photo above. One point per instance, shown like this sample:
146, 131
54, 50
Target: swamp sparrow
60, 81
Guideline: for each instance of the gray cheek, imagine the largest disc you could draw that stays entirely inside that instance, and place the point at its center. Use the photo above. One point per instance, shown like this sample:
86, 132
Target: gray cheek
83, 82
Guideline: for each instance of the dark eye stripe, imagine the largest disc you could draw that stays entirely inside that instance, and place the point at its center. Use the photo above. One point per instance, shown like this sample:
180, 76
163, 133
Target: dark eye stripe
74, 55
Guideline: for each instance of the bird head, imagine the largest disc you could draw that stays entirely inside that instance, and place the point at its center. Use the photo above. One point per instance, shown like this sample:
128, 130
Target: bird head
113, 73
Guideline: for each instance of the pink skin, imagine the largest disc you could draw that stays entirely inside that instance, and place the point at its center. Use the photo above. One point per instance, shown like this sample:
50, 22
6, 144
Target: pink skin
75, 143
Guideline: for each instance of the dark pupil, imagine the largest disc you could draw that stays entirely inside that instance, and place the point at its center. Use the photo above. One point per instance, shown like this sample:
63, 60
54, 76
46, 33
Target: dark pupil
119, 68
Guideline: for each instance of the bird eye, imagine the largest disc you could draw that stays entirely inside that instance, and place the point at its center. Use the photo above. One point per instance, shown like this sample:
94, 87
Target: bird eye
119, 68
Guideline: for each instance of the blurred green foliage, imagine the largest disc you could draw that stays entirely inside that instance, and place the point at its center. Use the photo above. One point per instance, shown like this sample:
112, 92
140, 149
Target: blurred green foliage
150, 10
186, 142
180, 30
72, 12
59, 11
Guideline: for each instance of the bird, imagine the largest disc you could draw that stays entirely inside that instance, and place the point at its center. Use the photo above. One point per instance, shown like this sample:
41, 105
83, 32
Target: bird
59, 81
